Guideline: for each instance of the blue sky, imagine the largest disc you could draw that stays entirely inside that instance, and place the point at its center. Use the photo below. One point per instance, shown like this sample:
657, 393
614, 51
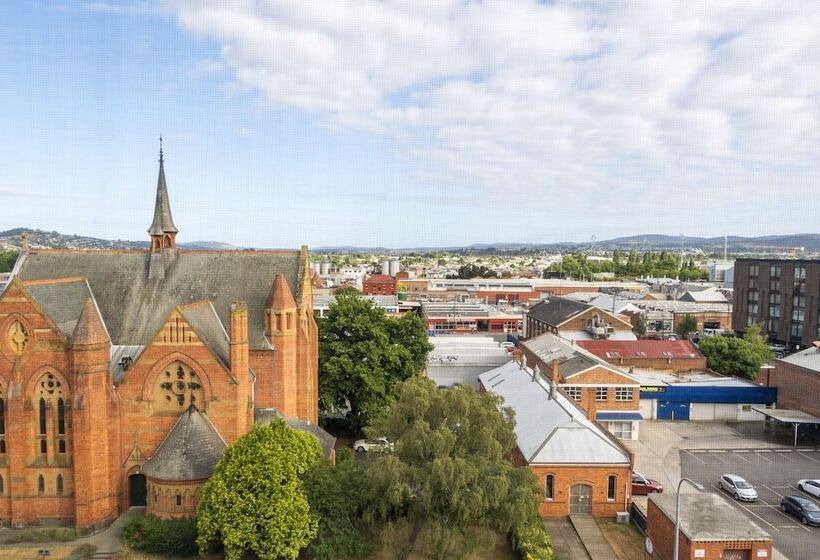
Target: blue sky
409, 123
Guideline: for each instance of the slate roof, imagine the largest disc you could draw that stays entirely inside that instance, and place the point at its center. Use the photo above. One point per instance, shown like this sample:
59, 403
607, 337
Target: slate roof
205, 322
326, 440
556, 310
550, 431
90, 328
163, 222
62, 299
190, 451
134, 307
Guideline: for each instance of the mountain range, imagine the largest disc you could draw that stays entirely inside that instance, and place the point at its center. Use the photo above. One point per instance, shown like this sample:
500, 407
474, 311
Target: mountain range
801, 243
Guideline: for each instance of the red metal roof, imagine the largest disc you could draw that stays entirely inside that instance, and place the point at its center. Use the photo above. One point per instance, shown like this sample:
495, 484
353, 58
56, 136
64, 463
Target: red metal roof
640, 348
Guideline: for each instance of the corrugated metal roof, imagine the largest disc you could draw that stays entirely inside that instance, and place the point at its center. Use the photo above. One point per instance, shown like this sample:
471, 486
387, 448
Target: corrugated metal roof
649, 348
550, 431
809, 359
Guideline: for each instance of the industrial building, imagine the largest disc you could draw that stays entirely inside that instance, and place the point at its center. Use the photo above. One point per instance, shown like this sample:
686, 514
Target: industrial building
458, 360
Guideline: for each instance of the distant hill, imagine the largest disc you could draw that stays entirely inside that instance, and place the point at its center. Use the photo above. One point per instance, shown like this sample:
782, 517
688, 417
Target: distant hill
809, 242
39, 239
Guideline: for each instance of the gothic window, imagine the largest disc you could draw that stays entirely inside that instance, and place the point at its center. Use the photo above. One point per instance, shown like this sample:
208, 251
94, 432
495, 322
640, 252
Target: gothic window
178, 388
17, 338
1, 486
51, 415
41, 485
59, 485
179, 500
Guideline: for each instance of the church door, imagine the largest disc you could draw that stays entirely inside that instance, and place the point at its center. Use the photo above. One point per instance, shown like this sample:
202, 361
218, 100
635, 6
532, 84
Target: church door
137, 490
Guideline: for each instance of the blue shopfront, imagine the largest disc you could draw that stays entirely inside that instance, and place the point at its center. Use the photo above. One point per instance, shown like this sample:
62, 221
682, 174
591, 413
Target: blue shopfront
705, 402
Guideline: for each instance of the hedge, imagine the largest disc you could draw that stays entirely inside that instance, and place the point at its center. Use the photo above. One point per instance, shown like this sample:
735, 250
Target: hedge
175, 537
532, 543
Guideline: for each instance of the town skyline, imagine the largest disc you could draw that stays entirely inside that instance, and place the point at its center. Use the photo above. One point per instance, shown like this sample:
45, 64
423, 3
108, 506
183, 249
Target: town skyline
594, 116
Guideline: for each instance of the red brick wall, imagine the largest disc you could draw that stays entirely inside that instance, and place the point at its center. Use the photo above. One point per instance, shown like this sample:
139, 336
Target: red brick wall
675, 365
797, 388
661, 530
595, 476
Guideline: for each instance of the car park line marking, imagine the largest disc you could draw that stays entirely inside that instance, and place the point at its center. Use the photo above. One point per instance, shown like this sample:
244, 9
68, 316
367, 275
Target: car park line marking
772, 490
807, 457
693, 455
747, 509
742, 458
764, 458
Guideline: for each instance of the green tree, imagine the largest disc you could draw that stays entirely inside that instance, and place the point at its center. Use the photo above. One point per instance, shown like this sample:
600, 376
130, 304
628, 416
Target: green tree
255, 500
638, 325
335, 495
688, 324
7, 260
363, 355
449, 468
737, 356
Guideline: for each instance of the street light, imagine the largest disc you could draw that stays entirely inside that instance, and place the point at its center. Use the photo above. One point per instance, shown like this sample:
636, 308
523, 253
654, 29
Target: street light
677, 512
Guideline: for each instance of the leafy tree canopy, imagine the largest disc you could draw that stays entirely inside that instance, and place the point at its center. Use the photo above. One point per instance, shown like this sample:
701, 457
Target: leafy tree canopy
737, 356
449, 467
255, 499
364, 354
629, 264
687, 324
7, 260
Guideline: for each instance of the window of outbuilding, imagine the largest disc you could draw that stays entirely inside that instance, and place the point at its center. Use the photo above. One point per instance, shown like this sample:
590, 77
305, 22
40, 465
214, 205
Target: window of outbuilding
612, 481
549, 487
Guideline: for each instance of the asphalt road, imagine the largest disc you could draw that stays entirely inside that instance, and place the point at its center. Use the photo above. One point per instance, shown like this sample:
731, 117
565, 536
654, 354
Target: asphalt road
774, 473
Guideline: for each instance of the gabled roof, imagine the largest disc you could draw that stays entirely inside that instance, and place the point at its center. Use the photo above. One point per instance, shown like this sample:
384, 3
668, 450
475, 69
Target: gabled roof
550, 431
658, 349
190, 451
62, 299
556, 310
572, 357
203, 319
135, 307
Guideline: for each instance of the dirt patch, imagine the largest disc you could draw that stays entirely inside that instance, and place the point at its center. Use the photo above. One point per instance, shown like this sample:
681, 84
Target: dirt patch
624, 538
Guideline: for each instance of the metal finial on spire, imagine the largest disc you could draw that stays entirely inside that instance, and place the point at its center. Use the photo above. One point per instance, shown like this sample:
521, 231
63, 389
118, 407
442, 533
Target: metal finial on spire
160, 148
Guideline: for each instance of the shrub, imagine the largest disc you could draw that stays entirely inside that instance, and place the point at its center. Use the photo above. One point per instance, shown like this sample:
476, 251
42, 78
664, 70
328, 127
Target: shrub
157, 536
532, 543
82, 552
39, 535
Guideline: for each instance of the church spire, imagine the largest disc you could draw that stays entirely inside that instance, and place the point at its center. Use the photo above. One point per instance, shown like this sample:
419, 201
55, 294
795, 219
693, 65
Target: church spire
163, 231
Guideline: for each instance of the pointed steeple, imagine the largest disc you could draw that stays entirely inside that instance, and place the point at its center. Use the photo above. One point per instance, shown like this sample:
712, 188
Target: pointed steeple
163, 231
280, 296
90, 328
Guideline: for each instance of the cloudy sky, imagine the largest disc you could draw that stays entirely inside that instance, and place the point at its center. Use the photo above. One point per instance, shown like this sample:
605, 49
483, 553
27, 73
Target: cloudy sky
406, 123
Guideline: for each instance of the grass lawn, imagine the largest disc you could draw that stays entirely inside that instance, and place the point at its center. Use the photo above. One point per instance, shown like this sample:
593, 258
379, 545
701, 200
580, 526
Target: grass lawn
29, 552
624, 538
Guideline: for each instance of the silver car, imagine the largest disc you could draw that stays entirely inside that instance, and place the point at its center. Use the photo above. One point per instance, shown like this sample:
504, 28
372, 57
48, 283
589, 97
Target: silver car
738, 488
810, 486
373, 444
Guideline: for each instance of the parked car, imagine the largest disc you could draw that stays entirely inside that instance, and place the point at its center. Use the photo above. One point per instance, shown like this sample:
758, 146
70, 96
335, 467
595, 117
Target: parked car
642, 486
373, 444
802, 508
810, 486
738, 488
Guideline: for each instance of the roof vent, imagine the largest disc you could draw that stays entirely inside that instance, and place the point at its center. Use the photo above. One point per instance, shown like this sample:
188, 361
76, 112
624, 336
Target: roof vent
126, 362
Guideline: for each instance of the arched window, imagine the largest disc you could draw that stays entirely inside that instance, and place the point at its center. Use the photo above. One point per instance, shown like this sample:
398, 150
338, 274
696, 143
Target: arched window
177, 388
41, 485
179, 500
611, 487
51, 414
2, 487
549, 487
59, 485
2, 422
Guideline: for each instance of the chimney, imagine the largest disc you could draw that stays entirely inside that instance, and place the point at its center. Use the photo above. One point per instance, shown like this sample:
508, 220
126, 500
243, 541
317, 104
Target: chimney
518, 355
536, 373
554, 377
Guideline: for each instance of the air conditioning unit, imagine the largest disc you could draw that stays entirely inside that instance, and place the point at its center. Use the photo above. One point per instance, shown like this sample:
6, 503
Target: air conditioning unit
622, 517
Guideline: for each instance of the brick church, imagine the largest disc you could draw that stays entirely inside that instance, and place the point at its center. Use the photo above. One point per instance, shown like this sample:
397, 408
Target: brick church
124, 374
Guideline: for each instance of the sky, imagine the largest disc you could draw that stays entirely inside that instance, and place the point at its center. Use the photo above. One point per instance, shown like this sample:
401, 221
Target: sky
406, 123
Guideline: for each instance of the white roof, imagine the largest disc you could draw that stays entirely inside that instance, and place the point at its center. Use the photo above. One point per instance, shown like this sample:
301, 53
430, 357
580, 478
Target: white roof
808, 358
550, 431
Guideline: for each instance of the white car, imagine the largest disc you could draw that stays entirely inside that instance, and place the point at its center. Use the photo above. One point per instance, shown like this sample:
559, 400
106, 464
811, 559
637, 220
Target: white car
372, 444
738, 487
810, 486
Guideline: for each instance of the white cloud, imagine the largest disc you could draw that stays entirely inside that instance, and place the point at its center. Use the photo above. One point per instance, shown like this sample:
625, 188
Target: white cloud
12, 192
659, 104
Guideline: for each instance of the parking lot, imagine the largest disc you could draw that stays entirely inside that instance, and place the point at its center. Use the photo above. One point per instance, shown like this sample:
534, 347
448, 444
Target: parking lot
774, 472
